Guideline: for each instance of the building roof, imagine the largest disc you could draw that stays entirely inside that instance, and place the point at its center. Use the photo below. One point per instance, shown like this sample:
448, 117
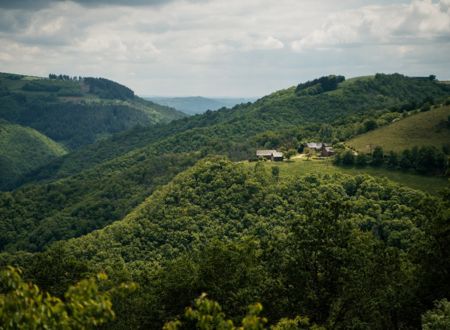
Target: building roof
265, 152
314, 145
277, 154
329, 149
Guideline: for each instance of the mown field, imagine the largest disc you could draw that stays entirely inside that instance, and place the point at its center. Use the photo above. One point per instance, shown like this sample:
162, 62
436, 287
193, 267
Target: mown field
299, 167
424, 128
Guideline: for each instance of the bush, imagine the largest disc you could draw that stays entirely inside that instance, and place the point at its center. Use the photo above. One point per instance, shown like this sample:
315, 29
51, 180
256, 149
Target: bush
361, 160
392, 159
370, 125
377, 156
437, 318
348, 159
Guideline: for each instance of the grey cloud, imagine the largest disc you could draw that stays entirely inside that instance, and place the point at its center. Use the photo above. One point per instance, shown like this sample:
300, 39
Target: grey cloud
13, 21
24, 4
40, 4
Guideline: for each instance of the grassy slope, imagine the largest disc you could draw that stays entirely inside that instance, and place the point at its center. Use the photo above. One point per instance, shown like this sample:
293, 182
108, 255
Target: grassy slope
300, 167
24, 149
424, 128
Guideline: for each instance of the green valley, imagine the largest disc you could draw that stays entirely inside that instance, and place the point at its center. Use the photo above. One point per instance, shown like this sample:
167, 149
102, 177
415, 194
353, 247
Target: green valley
241, 235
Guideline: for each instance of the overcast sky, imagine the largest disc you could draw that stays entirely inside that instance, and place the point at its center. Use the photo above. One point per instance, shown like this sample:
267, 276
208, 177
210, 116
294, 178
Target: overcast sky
223, 47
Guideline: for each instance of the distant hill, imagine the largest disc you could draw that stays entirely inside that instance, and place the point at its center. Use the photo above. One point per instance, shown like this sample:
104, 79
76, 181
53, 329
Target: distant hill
197, 104
76, 111
23, 149
420, 129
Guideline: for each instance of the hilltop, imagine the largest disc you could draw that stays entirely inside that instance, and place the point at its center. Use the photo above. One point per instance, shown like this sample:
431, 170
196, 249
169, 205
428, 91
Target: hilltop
430, 128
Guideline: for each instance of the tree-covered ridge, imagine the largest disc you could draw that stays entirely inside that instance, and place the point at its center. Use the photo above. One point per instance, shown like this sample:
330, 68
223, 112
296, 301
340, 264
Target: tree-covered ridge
72, 112
34, 216
317, 86
76, 111
229, 200
282, 118
108, 89
23, 149
310, 246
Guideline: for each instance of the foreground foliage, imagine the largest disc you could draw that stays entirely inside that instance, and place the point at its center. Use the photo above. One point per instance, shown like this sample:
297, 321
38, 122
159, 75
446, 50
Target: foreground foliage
25, 306
207, 314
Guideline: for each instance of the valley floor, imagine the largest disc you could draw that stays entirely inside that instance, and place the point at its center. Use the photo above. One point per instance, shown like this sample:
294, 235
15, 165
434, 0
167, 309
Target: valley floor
300, 166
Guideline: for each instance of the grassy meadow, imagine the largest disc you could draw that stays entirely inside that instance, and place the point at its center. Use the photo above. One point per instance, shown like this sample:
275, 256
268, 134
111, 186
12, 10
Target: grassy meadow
420, 129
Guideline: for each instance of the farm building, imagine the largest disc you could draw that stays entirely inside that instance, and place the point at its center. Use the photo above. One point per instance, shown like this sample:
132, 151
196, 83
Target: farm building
270, 155
327, 152
323, 149
313, 146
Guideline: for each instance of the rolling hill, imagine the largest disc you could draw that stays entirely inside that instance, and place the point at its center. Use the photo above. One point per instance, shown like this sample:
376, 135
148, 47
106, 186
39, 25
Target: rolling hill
76, 111
158, 206
98, 184
23, 149
72, 112
430, 128
242, 236
284, 118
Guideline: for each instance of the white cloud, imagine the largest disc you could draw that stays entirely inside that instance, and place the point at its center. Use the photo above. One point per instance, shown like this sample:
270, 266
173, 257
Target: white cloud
269, 43
395, 24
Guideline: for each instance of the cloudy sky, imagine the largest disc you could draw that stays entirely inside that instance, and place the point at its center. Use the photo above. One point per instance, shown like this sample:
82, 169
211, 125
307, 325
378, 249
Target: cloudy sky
223, 47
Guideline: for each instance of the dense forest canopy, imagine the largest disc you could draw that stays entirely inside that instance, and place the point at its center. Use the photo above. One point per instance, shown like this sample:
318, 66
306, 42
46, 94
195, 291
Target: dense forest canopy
243, 236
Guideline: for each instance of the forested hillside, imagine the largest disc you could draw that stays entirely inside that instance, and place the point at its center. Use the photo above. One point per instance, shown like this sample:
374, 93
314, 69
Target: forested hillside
284, 118
76, 111
100, 183
72, 112
305, 246
23, 149
35, 216
158, 207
